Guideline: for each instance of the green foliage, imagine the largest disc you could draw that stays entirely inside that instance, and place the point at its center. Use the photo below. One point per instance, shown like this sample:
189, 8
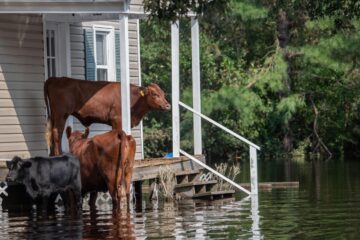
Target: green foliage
261, 90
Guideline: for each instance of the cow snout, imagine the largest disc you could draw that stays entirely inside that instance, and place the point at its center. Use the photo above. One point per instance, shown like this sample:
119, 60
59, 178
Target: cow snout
167, 107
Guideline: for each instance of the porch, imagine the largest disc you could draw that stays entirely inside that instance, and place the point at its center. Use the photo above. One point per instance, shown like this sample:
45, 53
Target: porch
66, 12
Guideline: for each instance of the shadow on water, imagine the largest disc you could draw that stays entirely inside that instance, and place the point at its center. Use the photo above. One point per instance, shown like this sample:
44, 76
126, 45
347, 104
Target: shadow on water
326, 206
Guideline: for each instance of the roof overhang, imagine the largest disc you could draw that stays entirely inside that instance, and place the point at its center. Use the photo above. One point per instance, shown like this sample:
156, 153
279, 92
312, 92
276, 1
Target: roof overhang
61, 6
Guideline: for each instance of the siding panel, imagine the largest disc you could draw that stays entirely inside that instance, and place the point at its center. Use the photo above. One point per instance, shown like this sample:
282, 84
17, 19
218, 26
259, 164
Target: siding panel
22, 110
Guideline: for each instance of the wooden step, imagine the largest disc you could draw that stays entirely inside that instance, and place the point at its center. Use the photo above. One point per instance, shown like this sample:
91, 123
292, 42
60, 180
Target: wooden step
187, 190
190, 184
186, 176
214, 195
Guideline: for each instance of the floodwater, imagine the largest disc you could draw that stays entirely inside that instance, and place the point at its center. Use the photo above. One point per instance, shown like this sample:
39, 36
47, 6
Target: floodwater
326, 206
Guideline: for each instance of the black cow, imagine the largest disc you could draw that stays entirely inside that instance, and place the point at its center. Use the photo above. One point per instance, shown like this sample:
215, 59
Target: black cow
43, 176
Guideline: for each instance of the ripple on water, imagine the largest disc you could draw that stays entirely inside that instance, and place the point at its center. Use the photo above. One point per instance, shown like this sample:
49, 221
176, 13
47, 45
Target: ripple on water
330, 210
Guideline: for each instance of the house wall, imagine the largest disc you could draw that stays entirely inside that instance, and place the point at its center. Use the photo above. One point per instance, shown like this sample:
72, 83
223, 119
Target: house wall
22, 108
78, 68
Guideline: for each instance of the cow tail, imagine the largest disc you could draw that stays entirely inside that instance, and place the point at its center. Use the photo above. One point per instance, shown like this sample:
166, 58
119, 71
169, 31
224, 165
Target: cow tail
48, 132
121, 159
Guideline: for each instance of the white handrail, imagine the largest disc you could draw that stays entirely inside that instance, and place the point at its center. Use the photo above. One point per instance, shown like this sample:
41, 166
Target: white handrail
213, 171
219, 125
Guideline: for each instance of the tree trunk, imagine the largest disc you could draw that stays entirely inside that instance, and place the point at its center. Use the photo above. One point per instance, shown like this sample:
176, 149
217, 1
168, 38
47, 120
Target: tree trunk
283, 27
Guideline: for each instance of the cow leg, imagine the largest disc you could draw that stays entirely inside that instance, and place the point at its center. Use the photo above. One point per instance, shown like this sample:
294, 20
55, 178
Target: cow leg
92, 200
78, 199
129, 168
58, 129
114, 195
57, 142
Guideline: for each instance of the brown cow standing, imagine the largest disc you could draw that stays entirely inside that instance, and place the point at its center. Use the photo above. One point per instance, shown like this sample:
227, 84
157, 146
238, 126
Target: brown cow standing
105, 161
95, 102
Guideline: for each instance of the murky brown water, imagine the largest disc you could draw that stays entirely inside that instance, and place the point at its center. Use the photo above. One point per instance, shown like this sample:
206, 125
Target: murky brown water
326, 206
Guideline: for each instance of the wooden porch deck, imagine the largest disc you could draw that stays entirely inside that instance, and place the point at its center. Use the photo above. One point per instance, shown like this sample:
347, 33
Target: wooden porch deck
149, 168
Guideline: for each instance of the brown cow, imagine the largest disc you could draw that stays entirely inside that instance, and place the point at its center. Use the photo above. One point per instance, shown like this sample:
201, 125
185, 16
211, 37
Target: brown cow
105, 161
95, 102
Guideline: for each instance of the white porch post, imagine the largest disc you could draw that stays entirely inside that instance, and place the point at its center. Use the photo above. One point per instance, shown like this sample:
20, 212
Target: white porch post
125, 73
253, 171
196, 88
175, 73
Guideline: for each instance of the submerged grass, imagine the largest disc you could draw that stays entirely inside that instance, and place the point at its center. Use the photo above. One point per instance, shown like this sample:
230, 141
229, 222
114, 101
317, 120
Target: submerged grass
229, 171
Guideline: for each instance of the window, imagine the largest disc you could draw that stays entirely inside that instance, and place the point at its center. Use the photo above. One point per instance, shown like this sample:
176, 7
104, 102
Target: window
50, 52
104, 53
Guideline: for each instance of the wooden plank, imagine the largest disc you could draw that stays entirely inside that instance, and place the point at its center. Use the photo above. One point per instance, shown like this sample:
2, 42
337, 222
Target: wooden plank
134, 66
21, 51
133, 57
23, 154
77, 38
78, 54
77, 63
272, 185
30, 19
22, 103
8, 138
22, 112
78, 70
22, 94
21, 68
9, 59
133, 50
134, 73
78, 76
22, 120
21, 27
21, 77
77, 46
8, 85
20, 37
9, 42
149, 169
76, 30
22, 146
4, 129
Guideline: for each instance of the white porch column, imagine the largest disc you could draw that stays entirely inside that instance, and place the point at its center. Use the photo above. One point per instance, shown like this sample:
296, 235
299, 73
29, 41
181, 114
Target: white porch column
253, 171
125, 73
196, 88
175, 73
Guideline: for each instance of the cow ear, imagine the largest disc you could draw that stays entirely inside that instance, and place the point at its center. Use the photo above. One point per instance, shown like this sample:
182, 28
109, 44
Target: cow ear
144, 91
9, 164
86, 133
26, 164
68, 131
16, 158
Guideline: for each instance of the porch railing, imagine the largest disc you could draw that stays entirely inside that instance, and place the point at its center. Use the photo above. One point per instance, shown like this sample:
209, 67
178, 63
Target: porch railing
253, 154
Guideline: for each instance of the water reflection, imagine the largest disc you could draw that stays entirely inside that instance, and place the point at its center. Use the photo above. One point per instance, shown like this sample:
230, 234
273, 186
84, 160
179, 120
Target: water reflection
326, 206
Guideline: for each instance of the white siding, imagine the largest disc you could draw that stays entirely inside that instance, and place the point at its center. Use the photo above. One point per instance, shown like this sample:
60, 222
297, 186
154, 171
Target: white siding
136, 6
78, 68
22, 108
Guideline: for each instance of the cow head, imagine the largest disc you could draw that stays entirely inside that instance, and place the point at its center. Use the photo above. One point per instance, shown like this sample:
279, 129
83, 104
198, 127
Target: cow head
75, 136
155, 97
17, 169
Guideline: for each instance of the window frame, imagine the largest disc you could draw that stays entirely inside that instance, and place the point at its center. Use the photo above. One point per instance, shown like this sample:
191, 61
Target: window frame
110, 51
51, 27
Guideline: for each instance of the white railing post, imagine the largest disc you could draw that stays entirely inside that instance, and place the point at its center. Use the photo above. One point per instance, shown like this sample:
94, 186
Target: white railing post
196, 89
253, 171
125, 73
175, 73
214, 172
